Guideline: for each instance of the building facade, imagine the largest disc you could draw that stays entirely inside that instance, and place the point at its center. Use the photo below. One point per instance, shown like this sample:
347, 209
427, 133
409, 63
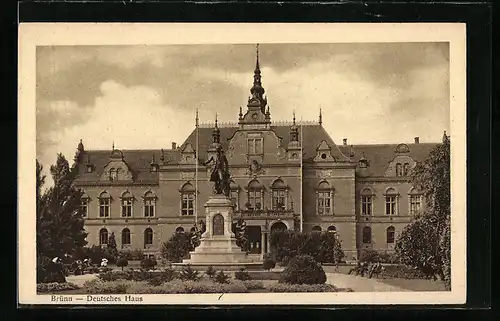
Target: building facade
283, 176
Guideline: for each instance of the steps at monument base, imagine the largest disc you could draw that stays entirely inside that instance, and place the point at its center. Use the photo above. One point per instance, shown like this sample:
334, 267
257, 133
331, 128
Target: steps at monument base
231, 266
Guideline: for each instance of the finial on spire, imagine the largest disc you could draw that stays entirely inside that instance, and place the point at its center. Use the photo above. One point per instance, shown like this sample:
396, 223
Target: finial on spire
216, 120
320, 117
257, 52
113, 146
294, 116
162, 157
197, 119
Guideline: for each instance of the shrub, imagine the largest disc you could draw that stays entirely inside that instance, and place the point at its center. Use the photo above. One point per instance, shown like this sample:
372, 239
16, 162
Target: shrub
369, 256
242, 275
110, 276
303, 269
401, 272
54, 287
284, 261
48, 271
122, 262
177, 247
222, 278
253, 284
148, 263
210, 272
268, 264
283, 287
188, 274
183, 287
101, 287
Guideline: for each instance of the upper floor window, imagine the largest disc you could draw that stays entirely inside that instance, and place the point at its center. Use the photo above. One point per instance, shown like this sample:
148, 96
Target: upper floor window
187, 199
149, 204
103, 237
367, 235
391, 202
390, 234
366, 202
125, 237
279, 195
255, 195
255, 146
324, 199
399, 169
127, 202
104, 204
415, 198
84, 205
113, 174
406, 169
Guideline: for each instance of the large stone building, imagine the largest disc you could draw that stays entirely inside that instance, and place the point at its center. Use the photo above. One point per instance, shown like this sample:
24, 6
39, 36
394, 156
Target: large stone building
284, 176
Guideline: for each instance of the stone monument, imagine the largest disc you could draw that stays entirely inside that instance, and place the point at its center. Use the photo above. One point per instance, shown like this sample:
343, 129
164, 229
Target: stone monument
218, 242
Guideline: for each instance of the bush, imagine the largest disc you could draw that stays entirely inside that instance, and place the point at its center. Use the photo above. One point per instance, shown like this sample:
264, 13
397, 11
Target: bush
283, 287
188, 274
210, 272
148, 263
253, 284
122, 262
184, 287
242, 275
222, 278
401, 272
369, 256
177, 247
134, 255
48, 271
389, 258
268, 264
111, 276
284, 261
303, 269
54, 287
101, 287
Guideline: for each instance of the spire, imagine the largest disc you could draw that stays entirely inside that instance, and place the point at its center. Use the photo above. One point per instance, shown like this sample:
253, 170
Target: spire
320, 117
294, 131
216, 131
162, 157
257, 99
80, 146
241, 113
197, 119
113, 146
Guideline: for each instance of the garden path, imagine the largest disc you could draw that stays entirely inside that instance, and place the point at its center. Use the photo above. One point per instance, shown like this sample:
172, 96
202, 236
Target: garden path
360, 284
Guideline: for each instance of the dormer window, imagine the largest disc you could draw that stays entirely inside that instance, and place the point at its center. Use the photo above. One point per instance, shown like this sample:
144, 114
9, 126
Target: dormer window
406, 169
113, 174
255, 146
399, 169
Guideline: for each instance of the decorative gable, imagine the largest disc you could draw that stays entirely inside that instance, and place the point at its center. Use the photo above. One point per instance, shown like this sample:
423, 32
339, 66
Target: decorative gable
324, 153
116, 169
188, 155
400, 166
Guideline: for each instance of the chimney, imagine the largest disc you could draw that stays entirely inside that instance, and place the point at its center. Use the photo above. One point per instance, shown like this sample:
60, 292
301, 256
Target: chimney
345, 141
417, 140
174, 145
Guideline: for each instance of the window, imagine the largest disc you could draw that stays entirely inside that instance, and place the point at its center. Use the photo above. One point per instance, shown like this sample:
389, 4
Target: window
324, 199
84, 204
234, 194
149, 204
180, 229
104, 204
332, 229
279, 195
415, 201
255, 197
366, 202
367, 235
127, 201
406, 169
187, 199
391, 202
148, 237
255, 146
399, 170
125, 236
103, 237
316, 228
112, 174
390, 235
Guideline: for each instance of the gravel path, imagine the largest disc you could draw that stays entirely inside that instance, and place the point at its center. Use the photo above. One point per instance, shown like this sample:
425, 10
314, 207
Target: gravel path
360, 284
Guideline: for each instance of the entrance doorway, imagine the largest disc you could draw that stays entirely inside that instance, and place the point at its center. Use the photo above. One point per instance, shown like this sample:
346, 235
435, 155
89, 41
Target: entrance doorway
254, 239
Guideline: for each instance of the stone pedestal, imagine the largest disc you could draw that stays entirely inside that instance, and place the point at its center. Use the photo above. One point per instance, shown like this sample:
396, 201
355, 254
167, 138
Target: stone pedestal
218, 243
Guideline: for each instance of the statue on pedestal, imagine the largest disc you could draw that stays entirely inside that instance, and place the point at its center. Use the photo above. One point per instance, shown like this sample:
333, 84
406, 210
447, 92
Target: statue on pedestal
220, 172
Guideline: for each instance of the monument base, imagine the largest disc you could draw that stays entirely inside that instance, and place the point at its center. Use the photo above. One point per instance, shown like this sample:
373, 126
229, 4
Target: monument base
218, 243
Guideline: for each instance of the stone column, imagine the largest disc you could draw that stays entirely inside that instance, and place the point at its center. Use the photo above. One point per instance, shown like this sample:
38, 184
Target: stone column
262, 244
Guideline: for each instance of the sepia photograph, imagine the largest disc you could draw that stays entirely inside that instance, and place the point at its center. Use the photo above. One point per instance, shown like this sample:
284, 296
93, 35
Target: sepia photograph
304, 164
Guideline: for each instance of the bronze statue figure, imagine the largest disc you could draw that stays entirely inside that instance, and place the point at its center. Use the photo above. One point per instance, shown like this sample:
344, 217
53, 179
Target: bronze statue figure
220, 172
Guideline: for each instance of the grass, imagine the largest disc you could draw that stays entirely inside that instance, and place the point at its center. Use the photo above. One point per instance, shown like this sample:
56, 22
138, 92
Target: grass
415, 284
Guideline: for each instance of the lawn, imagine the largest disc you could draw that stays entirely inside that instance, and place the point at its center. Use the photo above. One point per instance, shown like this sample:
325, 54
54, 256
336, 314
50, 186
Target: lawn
415, 284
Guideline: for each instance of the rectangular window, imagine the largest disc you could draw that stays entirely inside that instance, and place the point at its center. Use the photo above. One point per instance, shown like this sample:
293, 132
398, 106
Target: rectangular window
85, 206
255, 199
104, 207
366, 205
254, 146
187, 206
324, 203
415, 204
279, 199
149, 207
127, 207
234, 198
390, 205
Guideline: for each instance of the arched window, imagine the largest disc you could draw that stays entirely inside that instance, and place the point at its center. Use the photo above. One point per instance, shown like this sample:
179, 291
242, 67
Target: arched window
366, 202
406, 169
332, 229
391, 202
112, 174
234, 194
104, 204
399, 170
279, 195
278, 226
103, 236
316, 228
367, 235
390, 233
415, 198
180, 229
148, 238
187, 199
324, 199
255, 195
149, 204
84, 205
127, 201
125, 237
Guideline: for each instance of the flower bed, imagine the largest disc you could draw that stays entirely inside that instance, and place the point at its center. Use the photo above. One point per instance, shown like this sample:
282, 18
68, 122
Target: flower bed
55, 287
400, 272
285, 287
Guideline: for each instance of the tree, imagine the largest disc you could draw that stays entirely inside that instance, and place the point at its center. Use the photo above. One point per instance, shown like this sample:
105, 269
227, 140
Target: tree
60, 225
177, 247
425, 243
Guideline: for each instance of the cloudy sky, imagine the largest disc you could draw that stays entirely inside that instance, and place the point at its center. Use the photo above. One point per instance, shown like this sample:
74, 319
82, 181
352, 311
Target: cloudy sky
146, 96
